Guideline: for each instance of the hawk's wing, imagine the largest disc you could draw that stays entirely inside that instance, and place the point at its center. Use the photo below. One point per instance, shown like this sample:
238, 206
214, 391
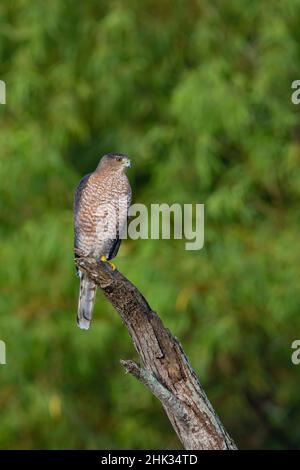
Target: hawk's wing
115, 248
76, 207
117, 242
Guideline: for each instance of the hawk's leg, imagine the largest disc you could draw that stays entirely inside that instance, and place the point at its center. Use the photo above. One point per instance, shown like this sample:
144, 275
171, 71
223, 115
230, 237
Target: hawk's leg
104, 260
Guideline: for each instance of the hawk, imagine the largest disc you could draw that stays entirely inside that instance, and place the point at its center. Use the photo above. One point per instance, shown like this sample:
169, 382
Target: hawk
101, 203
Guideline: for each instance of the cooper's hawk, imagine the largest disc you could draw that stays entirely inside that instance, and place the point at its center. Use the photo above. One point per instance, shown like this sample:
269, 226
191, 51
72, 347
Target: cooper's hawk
101, 203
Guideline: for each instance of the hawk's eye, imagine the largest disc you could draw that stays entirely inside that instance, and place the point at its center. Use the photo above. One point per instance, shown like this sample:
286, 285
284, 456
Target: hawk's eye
119, 159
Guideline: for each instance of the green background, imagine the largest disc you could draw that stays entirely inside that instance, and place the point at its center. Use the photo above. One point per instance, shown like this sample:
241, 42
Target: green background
198, 93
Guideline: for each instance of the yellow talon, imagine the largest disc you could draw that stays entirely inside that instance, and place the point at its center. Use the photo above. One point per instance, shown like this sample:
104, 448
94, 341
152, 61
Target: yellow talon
104, 260
112, 265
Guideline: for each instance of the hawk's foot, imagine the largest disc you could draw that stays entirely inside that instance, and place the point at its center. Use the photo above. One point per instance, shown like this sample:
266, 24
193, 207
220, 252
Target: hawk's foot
104, 260
112, 265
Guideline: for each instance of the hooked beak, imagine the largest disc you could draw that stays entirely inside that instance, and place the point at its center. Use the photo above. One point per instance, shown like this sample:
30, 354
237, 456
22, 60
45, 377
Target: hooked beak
127, 163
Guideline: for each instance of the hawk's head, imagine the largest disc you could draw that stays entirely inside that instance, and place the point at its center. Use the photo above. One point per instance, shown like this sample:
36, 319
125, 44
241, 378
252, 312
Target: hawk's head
115, 161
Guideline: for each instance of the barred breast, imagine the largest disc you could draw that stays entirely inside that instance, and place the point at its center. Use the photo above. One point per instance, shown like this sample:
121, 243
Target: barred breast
102, 213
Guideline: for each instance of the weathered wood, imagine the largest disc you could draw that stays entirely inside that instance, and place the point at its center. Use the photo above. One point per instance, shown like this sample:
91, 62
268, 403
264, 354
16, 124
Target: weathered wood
166, 370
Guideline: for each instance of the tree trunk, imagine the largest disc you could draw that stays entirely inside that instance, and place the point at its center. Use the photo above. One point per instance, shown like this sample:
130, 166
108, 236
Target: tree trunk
166, 370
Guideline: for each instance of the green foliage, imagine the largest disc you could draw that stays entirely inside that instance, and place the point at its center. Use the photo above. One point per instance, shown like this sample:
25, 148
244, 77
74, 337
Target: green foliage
199, 95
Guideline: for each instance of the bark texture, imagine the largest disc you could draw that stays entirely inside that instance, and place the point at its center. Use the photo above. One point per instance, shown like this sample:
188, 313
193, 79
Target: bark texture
166, 370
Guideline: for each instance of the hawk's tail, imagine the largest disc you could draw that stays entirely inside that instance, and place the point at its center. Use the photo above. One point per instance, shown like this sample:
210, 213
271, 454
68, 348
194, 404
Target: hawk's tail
86, 302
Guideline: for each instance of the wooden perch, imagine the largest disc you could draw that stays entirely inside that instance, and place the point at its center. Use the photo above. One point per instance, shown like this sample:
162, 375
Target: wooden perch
166, 370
